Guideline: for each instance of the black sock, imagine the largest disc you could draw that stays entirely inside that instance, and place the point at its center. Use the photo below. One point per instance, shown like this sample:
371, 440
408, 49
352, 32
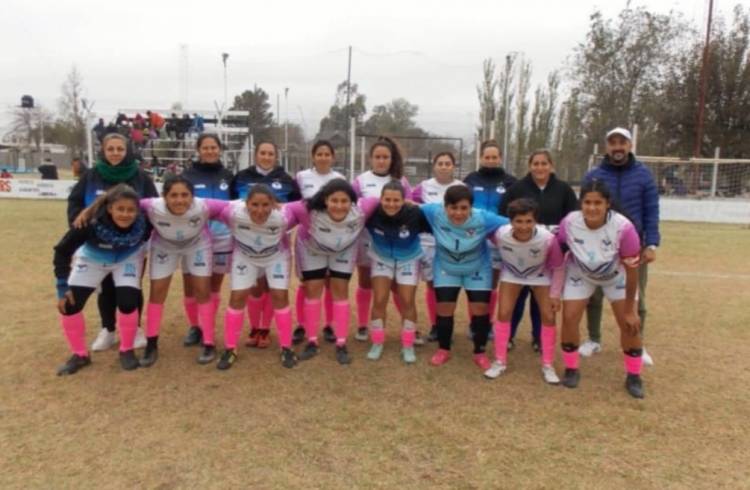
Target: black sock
152, 342
445, 331
480, 326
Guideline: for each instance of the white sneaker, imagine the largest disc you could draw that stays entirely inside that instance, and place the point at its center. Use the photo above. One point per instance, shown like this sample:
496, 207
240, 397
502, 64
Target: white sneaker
589, 348
140, 339
104, 340
646, 358
495, 370
549, 375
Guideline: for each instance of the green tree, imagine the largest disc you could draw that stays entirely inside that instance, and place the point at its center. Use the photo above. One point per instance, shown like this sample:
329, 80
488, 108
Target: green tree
260, 118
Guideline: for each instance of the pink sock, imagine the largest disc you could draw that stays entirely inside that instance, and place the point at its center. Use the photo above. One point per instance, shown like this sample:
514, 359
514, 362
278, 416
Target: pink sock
153, 319
408, 333
128, 325
377, 334
267, 316
397, 304
254, 306
191, 310
207, 322
633, 364
233, 320
328, 306
570, 359
284, 326
74, 328
431, 300
215, 300
341, 321
493, 303
548, 344
299, 304
364, 298
312, 319
502, 334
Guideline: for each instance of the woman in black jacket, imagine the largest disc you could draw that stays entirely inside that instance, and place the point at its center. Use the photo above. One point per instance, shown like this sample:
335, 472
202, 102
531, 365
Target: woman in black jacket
555, 199
116, 165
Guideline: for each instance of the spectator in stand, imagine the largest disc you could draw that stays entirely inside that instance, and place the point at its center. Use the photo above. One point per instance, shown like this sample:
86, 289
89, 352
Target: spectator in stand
48, 170
156, 121
110, 129
138, 121
184, 125
198, 125
5, 174
172, 124
100, 130
121, 120
136, 137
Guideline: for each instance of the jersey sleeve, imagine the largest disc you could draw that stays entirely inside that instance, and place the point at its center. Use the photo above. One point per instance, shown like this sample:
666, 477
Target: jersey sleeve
216, 207
368, 205
492, 221
64, 250
554, 254
147, 204
416, 194
424, 225
357, 187
562, 234
407, 188
630, 244
296, 213
429, 211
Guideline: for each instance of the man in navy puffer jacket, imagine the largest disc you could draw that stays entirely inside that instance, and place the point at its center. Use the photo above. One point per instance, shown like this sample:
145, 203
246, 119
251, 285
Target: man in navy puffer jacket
635, 195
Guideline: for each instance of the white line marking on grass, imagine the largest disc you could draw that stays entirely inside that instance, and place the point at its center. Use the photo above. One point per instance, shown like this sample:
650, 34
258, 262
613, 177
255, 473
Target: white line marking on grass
705, 275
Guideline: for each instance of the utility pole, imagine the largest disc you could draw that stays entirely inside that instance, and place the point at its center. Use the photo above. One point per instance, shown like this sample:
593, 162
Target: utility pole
506, 104
703, 84
348, 98
224, 57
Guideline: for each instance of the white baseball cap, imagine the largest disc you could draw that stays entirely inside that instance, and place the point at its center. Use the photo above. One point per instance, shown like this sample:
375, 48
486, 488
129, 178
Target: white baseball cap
622, 132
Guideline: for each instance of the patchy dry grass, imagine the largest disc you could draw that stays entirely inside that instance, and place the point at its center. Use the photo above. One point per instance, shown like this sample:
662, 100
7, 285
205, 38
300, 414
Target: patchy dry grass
379, 425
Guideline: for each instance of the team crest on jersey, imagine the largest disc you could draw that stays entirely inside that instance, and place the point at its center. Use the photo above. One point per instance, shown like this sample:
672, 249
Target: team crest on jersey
223, 185
129, 270
575, 281
471, 231
352, 226
404, 232
535, 252
162, 257
241, 269
273, 229
194, 221
276, 185
82, 267
500, 190
606, 244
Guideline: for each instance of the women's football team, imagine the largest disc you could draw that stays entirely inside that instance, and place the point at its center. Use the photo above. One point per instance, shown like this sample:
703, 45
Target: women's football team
447, 233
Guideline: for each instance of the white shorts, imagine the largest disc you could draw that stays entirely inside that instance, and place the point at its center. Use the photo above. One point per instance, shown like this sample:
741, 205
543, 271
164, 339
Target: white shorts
88, 273
495, 257
363, 249
196, 260
426, 261
342, 262
542, 279
404, 273
222, 262
578, 286
246, 271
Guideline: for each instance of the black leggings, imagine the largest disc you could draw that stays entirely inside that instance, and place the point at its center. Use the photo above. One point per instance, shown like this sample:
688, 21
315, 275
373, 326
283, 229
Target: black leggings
480, 325
107, 302
126, 299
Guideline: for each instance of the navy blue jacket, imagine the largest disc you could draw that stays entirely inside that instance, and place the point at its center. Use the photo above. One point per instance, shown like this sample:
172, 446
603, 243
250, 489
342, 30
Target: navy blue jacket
91, 184
634, 193
489, 186
396, 237
211, 181
280, 182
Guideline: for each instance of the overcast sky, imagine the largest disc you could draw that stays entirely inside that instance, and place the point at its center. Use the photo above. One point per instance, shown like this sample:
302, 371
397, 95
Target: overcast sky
129, 52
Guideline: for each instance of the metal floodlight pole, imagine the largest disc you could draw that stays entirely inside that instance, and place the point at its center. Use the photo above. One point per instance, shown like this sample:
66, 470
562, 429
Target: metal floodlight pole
224, 57
286, 128
703, 84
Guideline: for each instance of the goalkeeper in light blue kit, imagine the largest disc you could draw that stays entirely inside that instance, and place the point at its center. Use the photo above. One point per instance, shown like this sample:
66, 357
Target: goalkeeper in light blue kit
462, 260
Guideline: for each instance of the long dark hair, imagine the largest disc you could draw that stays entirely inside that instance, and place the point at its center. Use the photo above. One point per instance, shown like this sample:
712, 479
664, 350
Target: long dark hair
397, 159
320, 144
318, 201
114, 194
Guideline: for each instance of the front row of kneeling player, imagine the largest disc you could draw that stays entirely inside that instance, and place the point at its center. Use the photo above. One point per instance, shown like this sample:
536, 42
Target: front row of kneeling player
594, 247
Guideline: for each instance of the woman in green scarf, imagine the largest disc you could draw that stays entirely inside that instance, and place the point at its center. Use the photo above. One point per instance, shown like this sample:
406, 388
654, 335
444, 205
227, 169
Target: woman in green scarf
116, 165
